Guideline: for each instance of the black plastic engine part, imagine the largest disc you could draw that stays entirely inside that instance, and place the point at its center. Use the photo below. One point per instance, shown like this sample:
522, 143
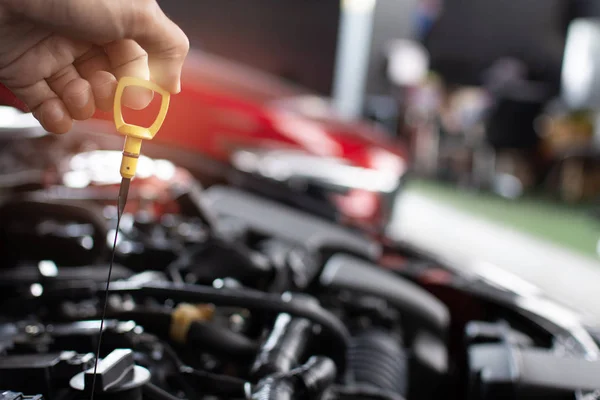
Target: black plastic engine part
117, 377
191, 198
310, 198
29, 289
428, 366
490, 332
296, 267
284, 346
217, 258
42, 373
297, 305
507, 371
270, 219
377, 359
308, 381
47, 273
344, 272
6, 395
43, 230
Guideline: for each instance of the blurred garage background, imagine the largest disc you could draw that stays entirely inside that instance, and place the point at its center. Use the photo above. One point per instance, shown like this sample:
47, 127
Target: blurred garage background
504, 170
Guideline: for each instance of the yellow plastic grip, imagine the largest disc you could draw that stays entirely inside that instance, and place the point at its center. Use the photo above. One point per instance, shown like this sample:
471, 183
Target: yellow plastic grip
135, 131
135, 134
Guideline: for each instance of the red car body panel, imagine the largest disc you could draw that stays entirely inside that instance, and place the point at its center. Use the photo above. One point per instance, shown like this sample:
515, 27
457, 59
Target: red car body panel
224, 106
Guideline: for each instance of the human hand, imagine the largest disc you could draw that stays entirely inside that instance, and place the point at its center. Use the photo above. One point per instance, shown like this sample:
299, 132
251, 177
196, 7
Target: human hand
63, 58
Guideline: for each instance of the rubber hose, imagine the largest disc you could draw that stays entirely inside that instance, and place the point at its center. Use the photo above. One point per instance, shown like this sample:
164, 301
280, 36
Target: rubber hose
283, 348
316, 375
207, 383
299, 306
219, 340
281, 388
377, 359
308, 381
215, 339
153, 392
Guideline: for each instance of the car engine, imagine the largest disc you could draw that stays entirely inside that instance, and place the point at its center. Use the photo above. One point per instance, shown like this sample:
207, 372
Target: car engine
217, 293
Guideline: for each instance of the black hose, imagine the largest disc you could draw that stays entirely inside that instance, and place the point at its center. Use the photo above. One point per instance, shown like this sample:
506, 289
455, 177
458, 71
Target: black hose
377, 359
219, 340
213, 339
153, 392
281, 388
308, 381
299, 306
316, 375
283, 348
208, 383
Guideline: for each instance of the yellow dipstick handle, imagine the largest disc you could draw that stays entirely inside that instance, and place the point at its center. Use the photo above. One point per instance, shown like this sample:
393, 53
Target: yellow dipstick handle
135, 134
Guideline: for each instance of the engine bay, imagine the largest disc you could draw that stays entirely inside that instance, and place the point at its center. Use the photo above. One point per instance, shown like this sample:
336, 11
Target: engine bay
218, 293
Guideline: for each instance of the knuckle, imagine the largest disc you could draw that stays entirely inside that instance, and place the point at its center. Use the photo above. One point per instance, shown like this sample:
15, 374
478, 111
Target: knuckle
182, 46
144, 12
185, 47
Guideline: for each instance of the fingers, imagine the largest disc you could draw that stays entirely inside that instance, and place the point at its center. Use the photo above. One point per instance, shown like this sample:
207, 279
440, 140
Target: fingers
59, 99
94, 66
106, 21
127, 58
95, 59
46, 106
53, 116
79, 99
104, 86
75, 92
121, 58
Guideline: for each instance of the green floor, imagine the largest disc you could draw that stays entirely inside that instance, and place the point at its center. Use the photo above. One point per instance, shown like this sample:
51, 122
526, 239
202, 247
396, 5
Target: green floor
571, 227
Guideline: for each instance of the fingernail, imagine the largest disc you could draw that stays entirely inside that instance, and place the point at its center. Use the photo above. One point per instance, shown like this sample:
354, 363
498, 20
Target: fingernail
53, 114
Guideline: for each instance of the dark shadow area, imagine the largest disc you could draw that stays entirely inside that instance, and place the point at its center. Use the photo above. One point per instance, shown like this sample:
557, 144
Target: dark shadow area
296, 40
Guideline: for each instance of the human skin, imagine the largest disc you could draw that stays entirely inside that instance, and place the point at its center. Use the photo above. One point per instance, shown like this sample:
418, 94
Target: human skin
63, 58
